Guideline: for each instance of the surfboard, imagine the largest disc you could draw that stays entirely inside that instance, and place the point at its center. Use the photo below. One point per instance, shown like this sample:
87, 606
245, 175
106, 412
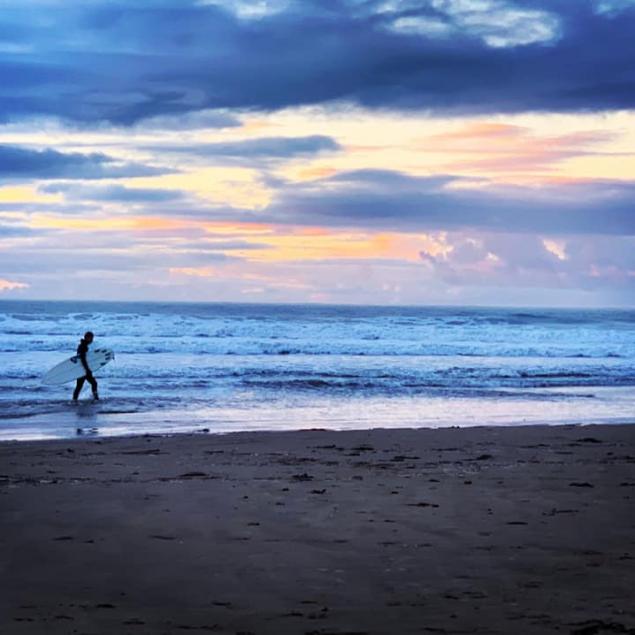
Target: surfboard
72, 368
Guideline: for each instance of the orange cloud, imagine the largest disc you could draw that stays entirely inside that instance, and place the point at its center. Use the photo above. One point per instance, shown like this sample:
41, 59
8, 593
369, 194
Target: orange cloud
300, 247
109, 223
225, 228
318, 172
10, 285
478, 130
556, 247
317, 244
255, 125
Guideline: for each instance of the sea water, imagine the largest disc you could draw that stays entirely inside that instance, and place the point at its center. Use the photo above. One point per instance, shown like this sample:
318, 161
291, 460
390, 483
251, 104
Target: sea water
227, 367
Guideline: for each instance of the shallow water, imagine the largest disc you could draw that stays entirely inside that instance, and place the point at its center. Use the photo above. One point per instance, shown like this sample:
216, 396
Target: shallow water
227, 367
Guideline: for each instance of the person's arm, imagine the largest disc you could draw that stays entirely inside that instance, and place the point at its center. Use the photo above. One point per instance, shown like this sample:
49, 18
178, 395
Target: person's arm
82, 358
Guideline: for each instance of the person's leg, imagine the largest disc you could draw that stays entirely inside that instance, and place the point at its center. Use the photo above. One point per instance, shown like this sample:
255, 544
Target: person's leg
93, 384
78, 387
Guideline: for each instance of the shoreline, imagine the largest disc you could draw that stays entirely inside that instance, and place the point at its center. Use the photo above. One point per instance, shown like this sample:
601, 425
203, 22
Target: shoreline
485, 529
88, 433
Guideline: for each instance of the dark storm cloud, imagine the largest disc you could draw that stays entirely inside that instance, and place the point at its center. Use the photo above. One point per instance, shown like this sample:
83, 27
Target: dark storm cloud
17, 162
123, 64
381, 199
274, 148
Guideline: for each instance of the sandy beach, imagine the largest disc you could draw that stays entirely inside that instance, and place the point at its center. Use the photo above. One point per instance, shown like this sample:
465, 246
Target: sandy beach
479, 530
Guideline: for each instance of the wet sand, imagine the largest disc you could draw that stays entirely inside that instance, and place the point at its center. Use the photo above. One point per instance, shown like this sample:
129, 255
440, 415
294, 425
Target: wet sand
481, 530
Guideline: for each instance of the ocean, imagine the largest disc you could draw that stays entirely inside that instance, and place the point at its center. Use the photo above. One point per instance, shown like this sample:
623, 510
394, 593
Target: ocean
229, 367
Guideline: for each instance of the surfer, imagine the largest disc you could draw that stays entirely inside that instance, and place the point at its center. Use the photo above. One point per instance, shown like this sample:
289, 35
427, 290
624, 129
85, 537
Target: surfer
82, 349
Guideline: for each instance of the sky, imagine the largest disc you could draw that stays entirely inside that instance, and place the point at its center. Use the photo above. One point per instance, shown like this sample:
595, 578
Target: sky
457, 152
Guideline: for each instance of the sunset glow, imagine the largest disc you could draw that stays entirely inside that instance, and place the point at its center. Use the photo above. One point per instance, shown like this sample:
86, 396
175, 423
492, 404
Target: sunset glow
444, 188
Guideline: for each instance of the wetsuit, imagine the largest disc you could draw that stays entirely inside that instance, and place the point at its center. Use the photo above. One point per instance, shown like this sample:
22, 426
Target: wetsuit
82, 349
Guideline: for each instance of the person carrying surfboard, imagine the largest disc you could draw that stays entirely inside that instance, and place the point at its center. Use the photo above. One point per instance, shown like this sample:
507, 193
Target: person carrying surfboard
82, 349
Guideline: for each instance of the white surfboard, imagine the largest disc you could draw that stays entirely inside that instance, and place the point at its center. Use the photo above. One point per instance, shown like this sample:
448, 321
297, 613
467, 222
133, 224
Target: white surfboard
72, 368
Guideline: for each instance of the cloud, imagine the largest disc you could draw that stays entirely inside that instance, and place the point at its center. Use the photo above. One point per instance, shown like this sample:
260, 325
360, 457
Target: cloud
64, 209
10, 285
204, 246
511, 148
121, 63
17, 162
497, 23
12, 231
191, 121
605, 264
113, 193
613, 7
383, 199
99, 261
253, 150
252, 9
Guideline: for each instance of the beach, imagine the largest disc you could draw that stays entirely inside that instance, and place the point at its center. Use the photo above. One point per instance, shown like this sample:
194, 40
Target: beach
474, 530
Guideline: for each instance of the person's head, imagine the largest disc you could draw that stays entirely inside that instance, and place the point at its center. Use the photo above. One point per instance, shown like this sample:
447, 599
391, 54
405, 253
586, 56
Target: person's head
88, 336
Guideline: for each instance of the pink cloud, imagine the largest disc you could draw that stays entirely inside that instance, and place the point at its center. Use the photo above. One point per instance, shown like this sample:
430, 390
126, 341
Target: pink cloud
10, 285
511, 148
